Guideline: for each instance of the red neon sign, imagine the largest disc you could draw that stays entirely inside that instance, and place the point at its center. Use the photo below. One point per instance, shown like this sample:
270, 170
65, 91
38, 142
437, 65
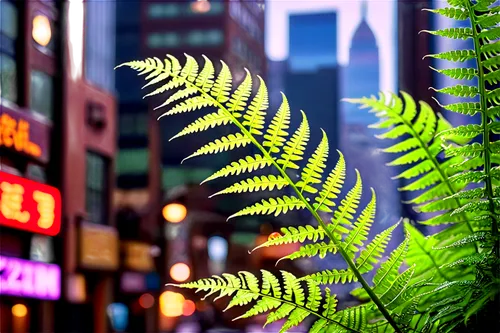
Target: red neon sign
28, 205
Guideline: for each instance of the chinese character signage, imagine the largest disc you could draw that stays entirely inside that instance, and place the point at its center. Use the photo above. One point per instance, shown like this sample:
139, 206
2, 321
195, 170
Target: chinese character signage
28, 205
24, 278
22, 132
98, 247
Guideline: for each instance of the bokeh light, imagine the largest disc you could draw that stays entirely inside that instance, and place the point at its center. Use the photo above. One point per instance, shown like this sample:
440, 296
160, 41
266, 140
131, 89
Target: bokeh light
217, 248
171, 304
200, 6
188, 308
180, 272
174, 212
41, 32
19, 310
146, 301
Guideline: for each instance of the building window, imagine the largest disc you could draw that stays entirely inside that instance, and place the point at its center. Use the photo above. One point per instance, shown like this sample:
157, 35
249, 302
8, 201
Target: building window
41, 93
193, 38
96, 196
173, 10
100, 43
132, 161
133, 124
8, 36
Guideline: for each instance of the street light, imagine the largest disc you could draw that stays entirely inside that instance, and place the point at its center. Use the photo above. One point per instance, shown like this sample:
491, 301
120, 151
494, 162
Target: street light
174, 212
41, 32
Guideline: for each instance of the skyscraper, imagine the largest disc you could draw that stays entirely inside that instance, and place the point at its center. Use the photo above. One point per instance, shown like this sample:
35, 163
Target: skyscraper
311, 82
360, 147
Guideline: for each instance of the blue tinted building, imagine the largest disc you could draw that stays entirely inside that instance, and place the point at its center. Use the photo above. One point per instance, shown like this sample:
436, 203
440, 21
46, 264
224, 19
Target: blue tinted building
311, 79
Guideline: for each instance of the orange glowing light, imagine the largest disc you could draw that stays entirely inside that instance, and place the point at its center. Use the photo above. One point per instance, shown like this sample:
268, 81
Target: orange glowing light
174, 212
200, 6
19, 310
41, 32
28, 205
146, 301
188, 308
16, 134
171, 304
180, 272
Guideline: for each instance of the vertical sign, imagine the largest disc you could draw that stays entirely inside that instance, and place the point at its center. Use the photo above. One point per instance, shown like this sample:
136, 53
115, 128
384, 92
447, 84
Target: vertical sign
76, 22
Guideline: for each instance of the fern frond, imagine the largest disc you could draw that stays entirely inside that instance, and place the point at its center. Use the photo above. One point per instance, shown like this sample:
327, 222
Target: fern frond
275, 206
459, 90
331, 187
270, 296
243, 165
450, 12
238, 100
276, 134
210, 120
225, 143
294, 149
466, 108
257, 183
453, 33
320, 249
361, 228
313, 171
223, 83
343, 215
296, 235
454, 55
458, 73
332, 276
374, 250
255, 116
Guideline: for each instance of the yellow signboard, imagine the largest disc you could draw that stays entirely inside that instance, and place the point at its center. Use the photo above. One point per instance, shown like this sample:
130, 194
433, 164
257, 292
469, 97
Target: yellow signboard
98, 247
138, 256
15, 134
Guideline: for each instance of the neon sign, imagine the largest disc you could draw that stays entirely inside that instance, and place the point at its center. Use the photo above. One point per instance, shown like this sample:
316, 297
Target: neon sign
24, 278
28, 205
16, 134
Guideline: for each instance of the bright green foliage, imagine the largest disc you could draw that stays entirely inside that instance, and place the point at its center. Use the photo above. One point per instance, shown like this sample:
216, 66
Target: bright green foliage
458, 265
316, 190
449, 277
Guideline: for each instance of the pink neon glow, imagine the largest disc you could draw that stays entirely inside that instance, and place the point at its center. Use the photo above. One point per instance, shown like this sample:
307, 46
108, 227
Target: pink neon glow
26, 278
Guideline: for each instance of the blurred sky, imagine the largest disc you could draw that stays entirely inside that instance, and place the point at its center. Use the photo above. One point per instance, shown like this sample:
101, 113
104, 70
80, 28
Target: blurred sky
381, 18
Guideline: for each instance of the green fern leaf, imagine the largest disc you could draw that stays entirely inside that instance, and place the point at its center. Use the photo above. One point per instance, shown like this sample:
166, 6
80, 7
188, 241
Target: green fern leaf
359, 233
314, 296
255, 117
206, 78
388, 271
238, 100
343, 215
331, 187
492, 77
296, 235
262, 306
459, 90
274, 206
247, 164
457, 3
294, 149
466, 108
257, 183
475, 237
190, 70
468, 177
332, 276
210, 120
190, 104
450, 12
493, 96
472, 150
492, 63
490, 34
468, 131
458, 73
354, 318
374, 250
222, 86
490, 49
282, 312
489, 21
276, 134
453, 33
312, 172
296, 317
397, 288
225, 143
320, 249
455, 55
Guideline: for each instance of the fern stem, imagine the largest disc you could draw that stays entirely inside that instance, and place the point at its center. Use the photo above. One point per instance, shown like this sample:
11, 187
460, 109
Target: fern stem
330, 235
486, 137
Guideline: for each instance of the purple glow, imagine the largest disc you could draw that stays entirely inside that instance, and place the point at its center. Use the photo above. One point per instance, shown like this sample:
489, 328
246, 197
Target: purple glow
24, 278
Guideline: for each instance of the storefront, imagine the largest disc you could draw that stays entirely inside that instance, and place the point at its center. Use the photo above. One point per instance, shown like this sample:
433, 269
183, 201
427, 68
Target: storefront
30, 215
89, 290
139, 286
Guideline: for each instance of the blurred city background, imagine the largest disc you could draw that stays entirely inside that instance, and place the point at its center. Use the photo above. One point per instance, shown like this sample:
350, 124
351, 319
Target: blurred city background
96, 212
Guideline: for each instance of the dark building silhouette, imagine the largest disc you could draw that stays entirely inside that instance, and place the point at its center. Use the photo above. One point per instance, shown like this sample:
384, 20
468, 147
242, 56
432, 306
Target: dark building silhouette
311, 80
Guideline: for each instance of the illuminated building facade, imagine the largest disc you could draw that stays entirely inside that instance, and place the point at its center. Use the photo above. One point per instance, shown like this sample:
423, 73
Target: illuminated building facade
56, 165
